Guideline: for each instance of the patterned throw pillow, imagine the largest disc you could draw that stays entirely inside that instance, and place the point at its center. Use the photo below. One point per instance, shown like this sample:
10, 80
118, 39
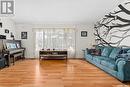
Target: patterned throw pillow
96, 52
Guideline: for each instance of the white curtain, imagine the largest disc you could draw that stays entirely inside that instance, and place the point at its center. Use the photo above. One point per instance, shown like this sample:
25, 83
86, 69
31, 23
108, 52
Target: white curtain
55, 38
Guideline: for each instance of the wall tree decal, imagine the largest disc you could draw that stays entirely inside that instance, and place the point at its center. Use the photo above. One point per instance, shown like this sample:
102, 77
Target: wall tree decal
114, 28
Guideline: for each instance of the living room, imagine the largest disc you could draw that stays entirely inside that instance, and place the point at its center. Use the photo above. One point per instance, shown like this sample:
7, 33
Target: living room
64, 43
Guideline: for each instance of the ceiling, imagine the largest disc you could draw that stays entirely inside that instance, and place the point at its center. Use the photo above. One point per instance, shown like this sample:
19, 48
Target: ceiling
61, 11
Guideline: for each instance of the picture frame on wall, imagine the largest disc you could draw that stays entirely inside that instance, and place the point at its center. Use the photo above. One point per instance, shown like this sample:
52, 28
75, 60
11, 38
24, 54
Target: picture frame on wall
6, 31
84, 33
23, 35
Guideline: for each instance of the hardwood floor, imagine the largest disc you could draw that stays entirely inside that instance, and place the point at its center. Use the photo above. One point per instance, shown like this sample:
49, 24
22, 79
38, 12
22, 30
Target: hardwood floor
56, 73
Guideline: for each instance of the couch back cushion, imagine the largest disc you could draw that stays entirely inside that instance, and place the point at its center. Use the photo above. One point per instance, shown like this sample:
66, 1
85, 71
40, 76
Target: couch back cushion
114, 53
100, 48
106, 51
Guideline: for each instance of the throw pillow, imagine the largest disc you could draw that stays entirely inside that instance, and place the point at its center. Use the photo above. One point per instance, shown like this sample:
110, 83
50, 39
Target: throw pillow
114, 53
106, 51
96, 52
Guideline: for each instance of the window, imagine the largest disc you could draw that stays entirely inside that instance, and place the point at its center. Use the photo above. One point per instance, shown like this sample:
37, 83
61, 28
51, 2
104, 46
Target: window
58, 39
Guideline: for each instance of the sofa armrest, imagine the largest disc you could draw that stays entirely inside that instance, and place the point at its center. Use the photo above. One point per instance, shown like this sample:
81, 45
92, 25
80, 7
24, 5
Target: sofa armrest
123, 67
119, 59
87, 51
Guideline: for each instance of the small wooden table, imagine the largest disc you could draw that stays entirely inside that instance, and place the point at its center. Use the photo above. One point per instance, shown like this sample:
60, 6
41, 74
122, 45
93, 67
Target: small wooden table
52, 54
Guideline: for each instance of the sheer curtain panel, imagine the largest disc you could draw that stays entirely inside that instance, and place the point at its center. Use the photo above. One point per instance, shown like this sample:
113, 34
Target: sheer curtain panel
55, 39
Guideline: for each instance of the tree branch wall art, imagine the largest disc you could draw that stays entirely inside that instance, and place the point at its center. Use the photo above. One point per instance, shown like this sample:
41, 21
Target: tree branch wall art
114, 28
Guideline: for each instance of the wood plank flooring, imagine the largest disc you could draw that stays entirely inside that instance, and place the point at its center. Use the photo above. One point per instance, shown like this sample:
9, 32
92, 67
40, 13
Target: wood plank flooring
56, 73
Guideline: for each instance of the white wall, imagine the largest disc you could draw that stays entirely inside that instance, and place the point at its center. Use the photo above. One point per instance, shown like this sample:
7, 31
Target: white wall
81, 42
27, 43
84, 42
7, 23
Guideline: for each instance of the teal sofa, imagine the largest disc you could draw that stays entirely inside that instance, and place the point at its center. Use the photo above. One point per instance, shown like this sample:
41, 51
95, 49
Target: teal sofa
112, 60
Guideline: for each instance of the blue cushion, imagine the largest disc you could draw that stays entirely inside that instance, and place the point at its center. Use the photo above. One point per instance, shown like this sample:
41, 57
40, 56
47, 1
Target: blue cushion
110, 64
114, 53
88, 56
100, 47
98, 58
128, 51
106, 51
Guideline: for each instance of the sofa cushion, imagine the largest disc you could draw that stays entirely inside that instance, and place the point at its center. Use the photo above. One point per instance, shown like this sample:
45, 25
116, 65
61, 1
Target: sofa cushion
128, 51
89, 56
109, 63
100, 47
98, 58
106, 51
114, 53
